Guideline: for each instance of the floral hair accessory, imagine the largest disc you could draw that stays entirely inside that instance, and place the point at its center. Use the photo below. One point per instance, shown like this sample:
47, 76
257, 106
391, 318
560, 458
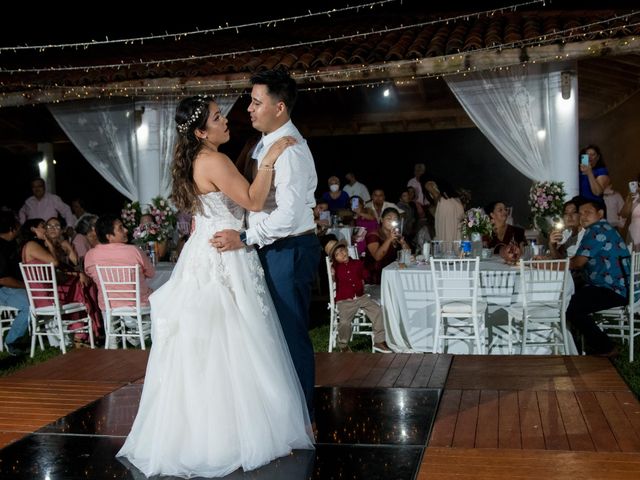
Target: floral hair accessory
184, 127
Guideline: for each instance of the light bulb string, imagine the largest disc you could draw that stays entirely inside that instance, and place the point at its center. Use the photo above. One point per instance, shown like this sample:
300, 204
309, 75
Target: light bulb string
235, 53
345, 72
179, 35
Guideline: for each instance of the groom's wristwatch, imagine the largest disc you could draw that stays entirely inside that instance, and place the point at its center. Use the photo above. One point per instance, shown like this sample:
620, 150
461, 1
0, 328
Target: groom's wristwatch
243, 237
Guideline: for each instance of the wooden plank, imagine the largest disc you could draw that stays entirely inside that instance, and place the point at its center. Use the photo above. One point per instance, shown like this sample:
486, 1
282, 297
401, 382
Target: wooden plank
394, 370
327, 367
631, 408
494, 464
466, 424
530, 421
347, 367
487, 433
378, 370
361, 374
555, 437
509, 420
409, 371
7, 438
620, 425
90, 365
425, 370
574, 424
440, 371
603, 438
445, 423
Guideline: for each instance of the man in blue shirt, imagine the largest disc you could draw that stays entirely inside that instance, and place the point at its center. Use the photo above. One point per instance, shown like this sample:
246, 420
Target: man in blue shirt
605, 262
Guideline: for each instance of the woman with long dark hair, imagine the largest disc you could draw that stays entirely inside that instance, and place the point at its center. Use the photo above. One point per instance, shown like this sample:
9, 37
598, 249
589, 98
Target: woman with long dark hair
221, 391
594, 176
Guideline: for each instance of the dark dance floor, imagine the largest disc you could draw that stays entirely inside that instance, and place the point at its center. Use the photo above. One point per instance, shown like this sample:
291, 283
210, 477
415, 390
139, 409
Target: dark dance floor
363, 433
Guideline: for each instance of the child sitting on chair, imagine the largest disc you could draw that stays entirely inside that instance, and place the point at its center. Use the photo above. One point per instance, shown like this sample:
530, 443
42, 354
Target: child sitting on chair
349, 280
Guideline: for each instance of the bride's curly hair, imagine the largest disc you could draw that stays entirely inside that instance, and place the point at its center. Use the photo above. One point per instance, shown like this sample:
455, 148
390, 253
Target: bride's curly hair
191, 114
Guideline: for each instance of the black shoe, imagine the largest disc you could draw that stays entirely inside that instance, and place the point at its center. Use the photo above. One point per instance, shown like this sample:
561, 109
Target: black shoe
13, 350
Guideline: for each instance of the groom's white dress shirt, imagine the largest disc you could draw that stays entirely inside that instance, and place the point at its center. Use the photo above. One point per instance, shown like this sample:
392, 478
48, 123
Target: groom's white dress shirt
288, 208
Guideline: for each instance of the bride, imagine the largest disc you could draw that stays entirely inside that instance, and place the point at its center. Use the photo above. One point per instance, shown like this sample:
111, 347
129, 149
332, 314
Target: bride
220, 390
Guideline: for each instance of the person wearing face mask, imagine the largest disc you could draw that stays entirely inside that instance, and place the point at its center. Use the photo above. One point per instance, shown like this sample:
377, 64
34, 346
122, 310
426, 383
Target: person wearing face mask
336, 198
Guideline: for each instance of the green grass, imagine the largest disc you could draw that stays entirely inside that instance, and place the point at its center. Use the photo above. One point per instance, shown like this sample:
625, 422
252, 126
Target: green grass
9, 364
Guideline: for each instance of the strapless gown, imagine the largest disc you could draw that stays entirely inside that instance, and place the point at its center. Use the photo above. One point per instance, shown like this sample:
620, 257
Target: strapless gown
220, 391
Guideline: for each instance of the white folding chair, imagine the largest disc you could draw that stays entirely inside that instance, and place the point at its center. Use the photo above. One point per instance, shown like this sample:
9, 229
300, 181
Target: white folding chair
456, 284
542, 307
624, 322
120, 286
360, 325
7, 314
52, 319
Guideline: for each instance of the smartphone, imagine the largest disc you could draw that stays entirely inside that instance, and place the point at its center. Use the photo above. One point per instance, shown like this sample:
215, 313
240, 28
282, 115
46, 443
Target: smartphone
633, 187
584, 159
355, 203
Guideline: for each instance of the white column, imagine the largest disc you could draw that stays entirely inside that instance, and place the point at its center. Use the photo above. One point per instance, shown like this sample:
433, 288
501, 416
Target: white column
563, 127
148, 152
45, 166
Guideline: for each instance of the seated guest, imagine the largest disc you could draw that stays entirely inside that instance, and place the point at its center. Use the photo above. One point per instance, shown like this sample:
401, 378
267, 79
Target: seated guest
605, 261
44, 205
564, 243
503, 234
364, 220
383, 245
85, 238
12, 291
113, 250
41, 244
349, 277
335, 198
378, 204
356, 189
59, 246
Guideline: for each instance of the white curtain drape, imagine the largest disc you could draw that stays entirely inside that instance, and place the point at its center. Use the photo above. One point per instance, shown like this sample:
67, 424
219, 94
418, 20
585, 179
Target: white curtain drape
104, 131
512, 109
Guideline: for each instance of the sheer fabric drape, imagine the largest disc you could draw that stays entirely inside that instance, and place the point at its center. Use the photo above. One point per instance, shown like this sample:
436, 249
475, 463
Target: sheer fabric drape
512, 109
104, 131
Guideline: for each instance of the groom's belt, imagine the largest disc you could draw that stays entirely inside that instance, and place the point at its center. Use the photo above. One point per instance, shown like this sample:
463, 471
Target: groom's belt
306, 232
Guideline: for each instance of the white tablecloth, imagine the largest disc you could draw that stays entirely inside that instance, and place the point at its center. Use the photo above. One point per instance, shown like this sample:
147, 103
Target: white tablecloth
163, 273
408, 303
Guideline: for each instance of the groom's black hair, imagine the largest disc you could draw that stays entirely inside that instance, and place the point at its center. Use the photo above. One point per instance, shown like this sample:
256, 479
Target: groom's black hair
280, 85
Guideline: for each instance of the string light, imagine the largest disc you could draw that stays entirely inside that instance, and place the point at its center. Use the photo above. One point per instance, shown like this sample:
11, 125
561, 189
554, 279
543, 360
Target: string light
235, 53
239, 84
180, 35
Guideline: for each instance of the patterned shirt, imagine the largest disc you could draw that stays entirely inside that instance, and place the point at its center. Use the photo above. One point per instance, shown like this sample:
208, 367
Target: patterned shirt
609, 262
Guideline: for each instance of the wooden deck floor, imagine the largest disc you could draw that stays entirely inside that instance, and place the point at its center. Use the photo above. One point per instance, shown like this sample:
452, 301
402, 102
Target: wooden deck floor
499, 417
36, 396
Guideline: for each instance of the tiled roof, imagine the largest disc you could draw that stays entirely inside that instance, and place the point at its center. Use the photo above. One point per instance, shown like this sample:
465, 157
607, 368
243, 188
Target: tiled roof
511, 30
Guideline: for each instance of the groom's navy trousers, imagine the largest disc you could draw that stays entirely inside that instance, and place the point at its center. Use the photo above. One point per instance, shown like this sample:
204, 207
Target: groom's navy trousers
290, 265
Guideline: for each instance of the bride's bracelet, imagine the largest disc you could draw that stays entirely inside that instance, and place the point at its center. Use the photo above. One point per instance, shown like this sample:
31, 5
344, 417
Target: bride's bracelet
268, 168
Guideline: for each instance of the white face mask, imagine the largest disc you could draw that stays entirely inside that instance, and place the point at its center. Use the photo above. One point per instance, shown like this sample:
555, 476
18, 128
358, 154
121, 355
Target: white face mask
334, 187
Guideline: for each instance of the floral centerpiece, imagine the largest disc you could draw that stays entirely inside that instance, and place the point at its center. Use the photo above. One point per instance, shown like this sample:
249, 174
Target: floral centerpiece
546, 200
130, 215
157, 230
476, 223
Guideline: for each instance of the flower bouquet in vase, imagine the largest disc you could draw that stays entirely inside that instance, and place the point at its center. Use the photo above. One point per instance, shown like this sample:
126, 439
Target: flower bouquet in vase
546, 200
475, 224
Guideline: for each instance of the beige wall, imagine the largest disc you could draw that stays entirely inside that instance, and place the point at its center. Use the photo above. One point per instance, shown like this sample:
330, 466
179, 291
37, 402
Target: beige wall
618, 136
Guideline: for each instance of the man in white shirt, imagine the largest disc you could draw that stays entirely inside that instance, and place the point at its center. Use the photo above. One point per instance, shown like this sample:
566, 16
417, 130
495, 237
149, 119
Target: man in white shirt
44, 205
356, 189
284, 231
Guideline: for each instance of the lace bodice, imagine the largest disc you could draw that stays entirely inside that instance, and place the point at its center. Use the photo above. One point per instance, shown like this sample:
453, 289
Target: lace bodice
219, 212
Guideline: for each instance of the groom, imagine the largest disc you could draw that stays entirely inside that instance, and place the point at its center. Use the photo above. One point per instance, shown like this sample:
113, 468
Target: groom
284, 231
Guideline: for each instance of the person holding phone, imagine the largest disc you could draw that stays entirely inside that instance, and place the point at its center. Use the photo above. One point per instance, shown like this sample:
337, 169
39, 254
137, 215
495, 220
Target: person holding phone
631, 211
594, 176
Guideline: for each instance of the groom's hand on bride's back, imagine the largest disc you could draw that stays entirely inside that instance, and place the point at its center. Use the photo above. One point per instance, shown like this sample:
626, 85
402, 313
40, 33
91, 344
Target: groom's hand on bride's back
226, 240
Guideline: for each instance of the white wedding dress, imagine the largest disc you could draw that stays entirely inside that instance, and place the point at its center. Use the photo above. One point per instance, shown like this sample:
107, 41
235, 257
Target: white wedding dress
220, 391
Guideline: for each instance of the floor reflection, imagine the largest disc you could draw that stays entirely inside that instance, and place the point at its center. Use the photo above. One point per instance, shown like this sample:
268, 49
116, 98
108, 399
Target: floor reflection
362, 433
